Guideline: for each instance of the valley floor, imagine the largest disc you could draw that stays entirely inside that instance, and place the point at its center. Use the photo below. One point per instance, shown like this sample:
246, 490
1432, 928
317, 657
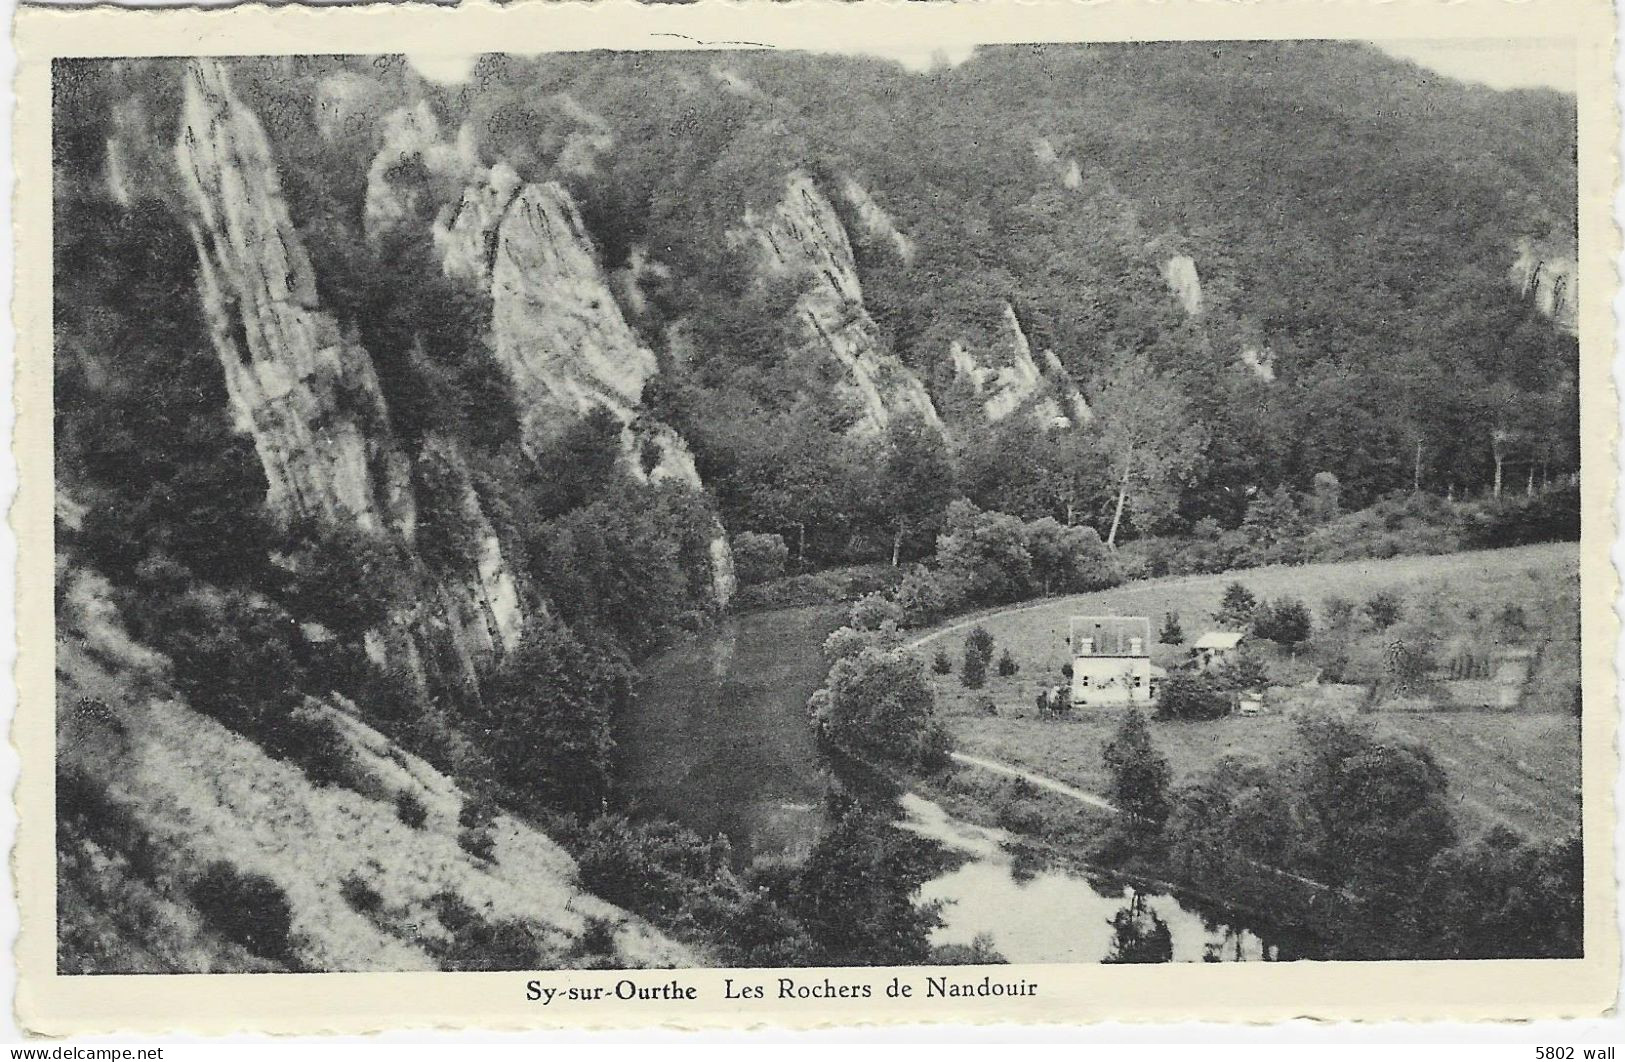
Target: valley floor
1520, 768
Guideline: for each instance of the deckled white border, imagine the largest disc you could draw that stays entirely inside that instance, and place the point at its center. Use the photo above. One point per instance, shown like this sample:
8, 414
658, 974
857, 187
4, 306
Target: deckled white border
308, 1003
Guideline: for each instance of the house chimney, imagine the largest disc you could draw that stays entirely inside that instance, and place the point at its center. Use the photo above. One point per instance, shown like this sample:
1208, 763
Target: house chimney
1134, 647
1086, 647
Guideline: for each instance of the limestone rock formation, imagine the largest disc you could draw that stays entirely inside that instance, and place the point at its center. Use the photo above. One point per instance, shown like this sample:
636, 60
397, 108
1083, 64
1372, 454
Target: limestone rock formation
557, 327
1550, 280
803, 236
877, 225
1184, 283
1011, 379
305, 392
412, 143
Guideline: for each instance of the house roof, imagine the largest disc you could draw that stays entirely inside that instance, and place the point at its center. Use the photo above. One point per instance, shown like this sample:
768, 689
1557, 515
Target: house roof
1218, 640
1111, 634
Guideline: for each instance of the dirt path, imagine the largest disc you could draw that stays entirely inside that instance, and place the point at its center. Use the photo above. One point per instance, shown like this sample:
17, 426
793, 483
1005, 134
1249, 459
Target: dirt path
1038, 780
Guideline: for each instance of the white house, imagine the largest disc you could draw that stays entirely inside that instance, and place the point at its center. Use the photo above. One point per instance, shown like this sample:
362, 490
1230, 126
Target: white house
1215, 647
1111, 661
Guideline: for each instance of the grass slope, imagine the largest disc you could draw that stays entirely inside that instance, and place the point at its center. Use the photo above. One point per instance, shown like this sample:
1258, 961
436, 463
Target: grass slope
1520, 769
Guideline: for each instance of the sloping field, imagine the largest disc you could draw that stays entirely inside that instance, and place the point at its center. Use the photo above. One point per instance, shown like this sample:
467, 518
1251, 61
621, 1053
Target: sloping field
1520, 769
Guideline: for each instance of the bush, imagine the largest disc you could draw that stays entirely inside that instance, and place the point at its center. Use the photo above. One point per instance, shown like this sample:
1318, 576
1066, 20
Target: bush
988, 552
980, 642
873, 611
759, 557
360, 895
479, 844
1285, 622
1384, 609
843, 642
1007, 665
1236, 607
880, 701
1550, 516
973, 673
942, 663
478, 812
247, 909
1172, 633
1190, 696
410, 810
926, 596
1338, 611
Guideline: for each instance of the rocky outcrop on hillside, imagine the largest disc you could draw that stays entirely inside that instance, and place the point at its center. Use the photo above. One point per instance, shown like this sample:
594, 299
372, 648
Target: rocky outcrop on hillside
1549, 279
1010, 379
802, 236
876, 224
304, 391
367, 886
558, 329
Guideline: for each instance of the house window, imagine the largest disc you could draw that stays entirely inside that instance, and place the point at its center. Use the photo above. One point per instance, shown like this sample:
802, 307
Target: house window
1137, 682
1083, 680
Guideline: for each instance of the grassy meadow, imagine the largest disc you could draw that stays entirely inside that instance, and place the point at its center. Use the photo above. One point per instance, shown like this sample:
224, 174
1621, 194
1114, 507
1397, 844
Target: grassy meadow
1519, 768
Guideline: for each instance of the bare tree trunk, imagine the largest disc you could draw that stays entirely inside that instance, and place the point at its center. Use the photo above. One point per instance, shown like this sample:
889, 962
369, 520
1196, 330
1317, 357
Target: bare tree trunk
1416, 470
801, 541
897, 546
1529, 487
1117, 515
1497, 450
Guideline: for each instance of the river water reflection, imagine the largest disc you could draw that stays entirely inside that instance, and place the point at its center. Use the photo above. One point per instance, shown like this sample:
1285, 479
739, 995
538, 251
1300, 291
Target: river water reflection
719, 741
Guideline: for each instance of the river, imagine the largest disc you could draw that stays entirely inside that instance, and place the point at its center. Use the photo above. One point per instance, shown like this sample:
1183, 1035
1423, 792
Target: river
718, 741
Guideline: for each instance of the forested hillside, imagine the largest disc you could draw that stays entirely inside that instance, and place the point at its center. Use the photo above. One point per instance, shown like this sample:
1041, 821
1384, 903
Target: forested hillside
443, 405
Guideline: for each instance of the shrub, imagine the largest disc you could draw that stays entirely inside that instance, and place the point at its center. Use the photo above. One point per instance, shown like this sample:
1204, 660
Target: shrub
988, 551
942, 663
247, 909
1236, 607
1069, 558
1512, 621
979, 642
1285, 622
478, 811
478, 843
410, 810
880, 701
1550, 516
873, 611
1244, 670
1338, 611
1384, 609
926, 596
843, 642
360, 895
1172, 633
759, 557
973, 673
1191, 696
1007, 664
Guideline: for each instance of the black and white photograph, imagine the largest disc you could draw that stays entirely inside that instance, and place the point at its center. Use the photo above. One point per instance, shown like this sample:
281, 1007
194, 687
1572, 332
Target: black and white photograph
954, 508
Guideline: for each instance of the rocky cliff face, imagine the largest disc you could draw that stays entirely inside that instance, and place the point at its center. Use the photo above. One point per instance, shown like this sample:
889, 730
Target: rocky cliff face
1010, 379
1550, 280
558, 329
305, 392
802, 236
